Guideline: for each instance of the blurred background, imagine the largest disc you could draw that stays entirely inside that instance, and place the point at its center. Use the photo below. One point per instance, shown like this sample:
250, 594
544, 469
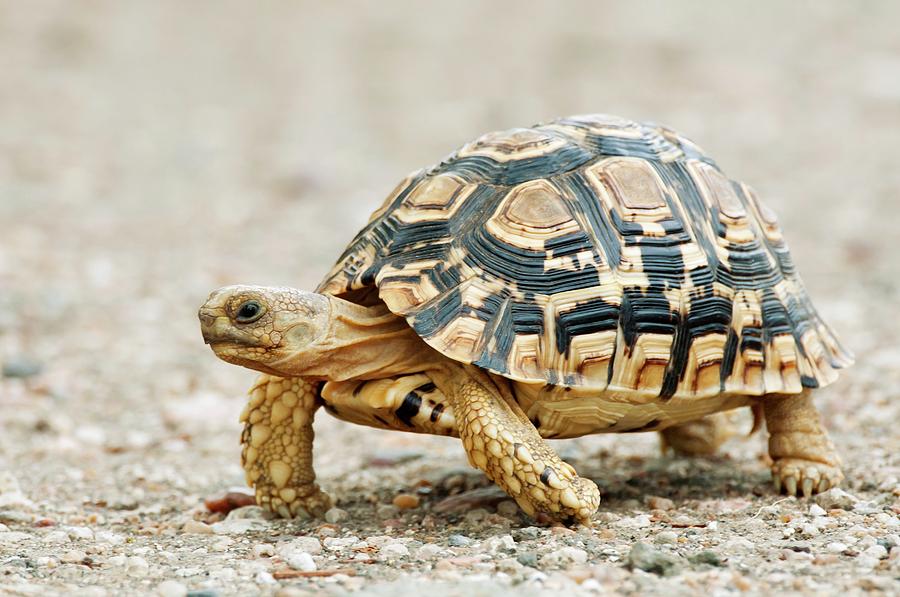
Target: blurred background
153, 151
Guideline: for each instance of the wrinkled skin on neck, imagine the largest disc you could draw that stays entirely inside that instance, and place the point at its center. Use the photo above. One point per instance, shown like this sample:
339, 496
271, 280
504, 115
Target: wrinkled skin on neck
318, 337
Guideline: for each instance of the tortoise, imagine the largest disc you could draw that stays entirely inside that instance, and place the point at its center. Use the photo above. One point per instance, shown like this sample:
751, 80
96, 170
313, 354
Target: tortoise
591, 274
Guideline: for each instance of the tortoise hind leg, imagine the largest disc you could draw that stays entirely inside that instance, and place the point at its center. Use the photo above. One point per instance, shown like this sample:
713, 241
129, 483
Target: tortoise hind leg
277, 446
702, 437
501, 441
804, 459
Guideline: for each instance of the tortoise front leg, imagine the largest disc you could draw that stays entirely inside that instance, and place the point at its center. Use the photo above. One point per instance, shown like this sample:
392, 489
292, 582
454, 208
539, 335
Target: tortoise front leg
277, 446
501, 441
804, 459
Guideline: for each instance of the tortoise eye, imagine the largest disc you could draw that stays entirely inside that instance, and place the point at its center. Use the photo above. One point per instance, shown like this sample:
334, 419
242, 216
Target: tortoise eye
249, 311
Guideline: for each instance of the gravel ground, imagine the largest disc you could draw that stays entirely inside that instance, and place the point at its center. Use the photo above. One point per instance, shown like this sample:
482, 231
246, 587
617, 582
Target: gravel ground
150, 152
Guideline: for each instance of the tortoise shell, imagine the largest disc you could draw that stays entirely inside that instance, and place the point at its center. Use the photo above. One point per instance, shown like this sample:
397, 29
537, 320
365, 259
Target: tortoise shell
595, 253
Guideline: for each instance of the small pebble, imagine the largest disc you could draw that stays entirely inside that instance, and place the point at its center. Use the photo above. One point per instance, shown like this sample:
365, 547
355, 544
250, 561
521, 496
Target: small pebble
394, 550
665, 537
648, 559
564, 556
75, 556
817, 510
306, 543
21, 367
82, 533
336, 515
706, 557
197, 527
836, 498
171, 588
660, 503
428, 551
137, 566
876, 551
508, 508
386, 511
263, 550
865, 561
56, 537
739, 545
300, 560
836, 547
458, 541
249, 513
406, 501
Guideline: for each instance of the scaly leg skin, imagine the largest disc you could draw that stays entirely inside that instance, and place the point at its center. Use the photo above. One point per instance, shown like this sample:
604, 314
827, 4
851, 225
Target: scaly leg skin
277, 447
501, 441
805, 461
701, 437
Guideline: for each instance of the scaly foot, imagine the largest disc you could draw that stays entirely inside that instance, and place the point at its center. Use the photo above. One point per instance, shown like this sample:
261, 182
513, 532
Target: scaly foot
804, 459
501, 441
277, 447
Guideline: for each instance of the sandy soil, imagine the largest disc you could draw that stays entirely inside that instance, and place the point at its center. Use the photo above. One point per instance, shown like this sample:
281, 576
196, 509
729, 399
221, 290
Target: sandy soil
150, 152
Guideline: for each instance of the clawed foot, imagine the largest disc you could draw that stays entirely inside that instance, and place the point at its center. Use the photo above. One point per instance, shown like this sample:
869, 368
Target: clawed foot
306, 502
796, 476
559, 493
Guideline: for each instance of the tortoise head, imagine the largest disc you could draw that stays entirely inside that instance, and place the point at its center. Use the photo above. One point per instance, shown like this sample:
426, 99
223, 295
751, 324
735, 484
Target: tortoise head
268, 329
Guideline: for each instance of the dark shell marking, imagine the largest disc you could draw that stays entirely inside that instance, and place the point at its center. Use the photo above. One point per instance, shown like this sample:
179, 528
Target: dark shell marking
597, 253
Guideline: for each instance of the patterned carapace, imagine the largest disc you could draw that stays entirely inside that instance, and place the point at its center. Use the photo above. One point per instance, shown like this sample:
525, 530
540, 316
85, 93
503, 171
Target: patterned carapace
596, 253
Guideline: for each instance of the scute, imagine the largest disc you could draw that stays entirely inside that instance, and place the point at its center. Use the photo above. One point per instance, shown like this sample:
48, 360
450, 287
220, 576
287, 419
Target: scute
596, 253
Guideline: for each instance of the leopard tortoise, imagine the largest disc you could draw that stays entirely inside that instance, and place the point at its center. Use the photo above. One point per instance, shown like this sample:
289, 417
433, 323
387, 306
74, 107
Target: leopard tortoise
588, 275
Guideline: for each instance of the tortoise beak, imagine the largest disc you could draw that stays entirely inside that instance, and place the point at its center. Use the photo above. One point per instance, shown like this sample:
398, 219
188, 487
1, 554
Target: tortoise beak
212, 324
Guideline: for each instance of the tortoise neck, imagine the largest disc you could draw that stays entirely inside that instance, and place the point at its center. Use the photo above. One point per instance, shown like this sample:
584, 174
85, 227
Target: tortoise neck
368, 343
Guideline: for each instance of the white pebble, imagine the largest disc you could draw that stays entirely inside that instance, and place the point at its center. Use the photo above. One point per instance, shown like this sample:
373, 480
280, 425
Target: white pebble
339, 543
225, 574
263, 550
300, 560
336, 515
836, 547
428, 551
564, 556
866, 561
887, 520
73, 557
503, 542
394, 550
308, 544
264, 578
108, 537
197, 527
817, 510
56, 537
171, 588
137, 566
739, 544
876, 551
636, 522
80, 533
